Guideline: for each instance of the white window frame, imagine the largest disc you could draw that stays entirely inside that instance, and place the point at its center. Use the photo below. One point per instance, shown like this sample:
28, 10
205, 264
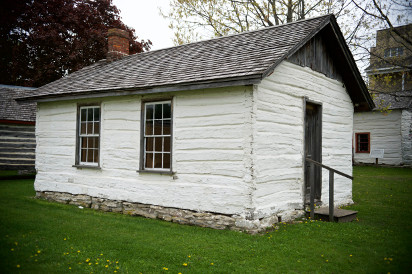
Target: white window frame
162, 135
393, 52
80, 135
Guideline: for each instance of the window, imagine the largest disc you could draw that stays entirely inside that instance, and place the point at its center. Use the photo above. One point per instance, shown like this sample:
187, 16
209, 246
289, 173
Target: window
362, 142
88, 135
392, 52
157, 133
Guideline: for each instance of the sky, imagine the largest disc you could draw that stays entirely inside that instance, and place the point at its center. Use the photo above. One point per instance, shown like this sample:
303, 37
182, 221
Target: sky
145, 18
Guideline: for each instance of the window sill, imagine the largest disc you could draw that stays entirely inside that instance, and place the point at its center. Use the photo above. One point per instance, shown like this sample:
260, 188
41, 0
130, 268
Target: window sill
86, 166
156, 172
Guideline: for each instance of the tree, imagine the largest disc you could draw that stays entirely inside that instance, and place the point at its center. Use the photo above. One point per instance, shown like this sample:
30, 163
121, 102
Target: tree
41, 41
389, 60
193, 19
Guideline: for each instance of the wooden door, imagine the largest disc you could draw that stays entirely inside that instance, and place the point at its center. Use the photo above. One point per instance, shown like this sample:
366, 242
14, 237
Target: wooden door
313, 148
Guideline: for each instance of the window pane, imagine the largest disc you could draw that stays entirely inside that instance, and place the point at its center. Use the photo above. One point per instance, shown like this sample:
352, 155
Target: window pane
90, 156
149, 160
158, 160
83, 128
167, 110
96, 155
96, 114
83, 115
158, 144
166, 127
90, 142
166, 160
89, 128
158, 127
149, 127
166, 144
90, 114
363, 147
95, 142
84, 142
83, 155
149, 112
96, 128
158, 111
149, 144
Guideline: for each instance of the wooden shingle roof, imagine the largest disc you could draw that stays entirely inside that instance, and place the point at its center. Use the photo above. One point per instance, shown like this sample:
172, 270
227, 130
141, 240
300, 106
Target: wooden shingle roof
239, 59
12, 110
396, 100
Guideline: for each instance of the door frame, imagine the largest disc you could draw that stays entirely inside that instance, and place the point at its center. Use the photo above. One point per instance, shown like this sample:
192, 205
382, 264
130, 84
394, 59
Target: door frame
319, 105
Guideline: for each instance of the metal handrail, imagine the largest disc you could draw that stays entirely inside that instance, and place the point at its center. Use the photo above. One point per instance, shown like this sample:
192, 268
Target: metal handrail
331, 187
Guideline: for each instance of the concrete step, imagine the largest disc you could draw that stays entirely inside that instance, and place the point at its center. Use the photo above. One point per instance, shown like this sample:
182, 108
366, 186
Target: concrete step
339, 215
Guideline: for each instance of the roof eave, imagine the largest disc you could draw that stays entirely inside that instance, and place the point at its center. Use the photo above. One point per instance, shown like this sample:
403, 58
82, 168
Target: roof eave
236, 81
352, 63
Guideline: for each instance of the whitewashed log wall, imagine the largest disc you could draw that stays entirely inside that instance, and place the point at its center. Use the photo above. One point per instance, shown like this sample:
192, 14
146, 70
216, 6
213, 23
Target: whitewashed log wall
385, 133
17, 147
235, 150
211, 145
279, 137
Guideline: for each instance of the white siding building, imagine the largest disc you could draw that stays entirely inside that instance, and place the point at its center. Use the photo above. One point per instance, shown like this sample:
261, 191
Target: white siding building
213, 133
388, 130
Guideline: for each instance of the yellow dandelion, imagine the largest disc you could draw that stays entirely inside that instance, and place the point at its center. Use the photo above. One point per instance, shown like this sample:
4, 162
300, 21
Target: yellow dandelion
184, 264
78, 251
97, 263
350, 255
90, 263
165, 268
101, 254
390, 259
87, 260
18, 266
38, 251
16, 243
327, 261
385, 259
108, 261
35, 254
188, 256
211, 263
70, 267
117, 267
106, 266
117, 262
12, 249
321, 255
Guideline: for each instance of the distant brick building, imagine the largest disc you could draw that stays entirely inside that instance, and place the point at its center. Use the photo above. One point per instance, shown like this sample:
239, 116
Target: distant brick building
391, 61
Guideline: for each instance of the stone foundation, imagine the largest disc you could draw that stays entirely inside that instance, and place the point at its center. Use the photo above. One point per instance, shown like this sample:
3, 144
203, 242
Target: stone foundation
176, 215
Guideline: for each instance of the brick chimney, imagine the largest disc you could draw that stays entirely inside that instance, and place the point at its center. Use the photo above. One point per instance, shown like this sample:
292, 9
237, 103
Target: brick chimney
118, 41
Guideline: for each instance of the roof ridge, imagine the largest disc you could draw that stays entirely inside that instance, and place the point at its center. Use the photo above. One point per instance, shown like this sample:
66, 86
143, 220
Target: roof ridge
236, 34
17, 87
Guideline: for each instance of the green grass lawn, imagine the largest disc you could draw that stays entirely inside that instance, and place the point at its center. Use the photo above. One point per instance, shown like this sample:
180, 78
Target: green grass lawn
42, 237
